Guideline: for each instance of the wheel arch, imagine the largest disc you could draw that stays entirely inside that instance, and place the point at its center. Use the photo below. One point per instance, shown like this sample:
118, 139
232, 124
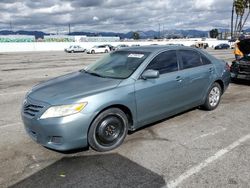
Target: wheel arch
122, 107
221, 83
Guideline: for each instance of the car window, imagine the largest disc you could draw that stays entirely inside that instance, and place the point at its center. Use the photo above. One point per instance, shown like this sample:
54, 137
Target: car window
205, 60
190, 59
164, 62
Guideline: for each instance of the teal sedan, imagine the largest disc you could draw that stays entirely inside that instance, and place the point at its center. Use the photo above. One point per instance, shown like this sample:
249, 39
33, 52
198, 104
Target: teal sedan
123, 91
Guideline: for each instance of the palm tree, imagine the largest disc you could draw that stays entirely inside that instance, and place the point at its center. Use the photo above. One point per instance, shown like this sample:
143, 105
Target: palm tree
247, 6
239, 7
232, 19
239, 10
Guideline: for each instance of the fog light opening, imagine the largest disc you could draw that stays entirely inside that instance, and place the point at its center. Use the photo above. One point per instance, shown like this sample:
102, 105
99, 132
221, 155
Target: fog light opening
56, 139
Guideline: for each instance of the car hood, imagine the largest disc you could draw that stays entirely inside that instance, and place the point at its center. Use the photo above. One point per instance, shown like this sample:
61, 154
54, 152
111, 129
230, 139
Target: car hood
70, 87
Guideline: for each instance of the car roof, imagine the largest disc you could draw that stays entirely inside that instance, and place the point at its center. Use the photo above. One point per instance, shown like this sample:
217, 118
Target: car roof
156, 48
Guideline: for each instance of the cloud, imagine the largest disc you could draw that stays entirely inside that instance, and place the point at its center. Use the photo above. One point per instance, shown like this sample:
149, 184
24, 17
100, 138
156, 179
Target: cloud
95, 18
113, 15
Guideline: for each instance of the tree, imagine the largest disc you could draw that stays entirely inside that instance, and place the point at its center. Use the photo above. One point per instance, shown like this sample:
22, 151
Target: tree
242, 10
214, 33
136, 36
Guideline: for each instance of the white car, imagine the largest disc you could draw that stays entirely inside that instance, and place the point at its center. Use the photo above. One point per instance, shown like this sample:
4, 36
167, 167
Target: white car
74, 48
121, 46
98, 49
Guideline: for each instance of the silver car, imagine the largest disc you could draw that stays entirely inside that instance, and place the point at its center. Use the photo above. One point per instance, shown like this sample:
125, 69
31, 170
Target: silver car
74, 49
123, 91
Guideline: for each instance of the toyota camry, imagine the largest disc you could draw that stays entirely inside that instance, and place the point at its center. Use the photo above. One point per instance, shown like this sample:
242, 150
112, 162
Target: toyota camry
123, 91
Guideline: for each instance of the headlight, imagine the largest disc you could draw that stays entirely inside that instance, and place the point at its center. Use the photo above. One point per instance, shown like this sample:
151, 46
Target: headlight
63, 110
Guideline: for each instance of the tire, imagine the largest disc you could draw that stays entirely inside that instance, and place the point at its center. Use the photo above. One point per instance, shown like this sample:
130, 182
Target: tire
93, 51
213, 97
108, 130
106, 51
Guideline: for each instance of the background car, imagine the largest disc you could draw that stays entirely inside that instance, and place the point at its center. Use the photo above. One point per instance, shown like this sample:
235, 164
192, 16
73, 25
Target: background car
222, 46
135, 45
121, 46
74, 49
125, 90
111, 48
240, 69
98, 49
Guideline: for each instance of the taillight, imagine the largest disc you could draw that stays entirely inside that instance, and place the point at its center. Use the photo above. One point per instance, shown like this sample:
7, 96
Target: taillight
227, 67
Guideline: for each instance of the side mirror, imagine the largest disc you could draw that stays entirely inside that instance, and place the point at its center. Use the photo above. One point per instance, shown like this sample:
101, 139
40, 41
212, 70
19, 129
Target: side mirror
150, 74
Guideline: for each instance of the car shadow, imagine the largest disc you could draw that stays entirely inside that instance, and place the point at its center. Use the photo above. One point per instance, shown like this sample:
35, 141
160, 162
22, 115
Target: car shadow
241, 82
106, 171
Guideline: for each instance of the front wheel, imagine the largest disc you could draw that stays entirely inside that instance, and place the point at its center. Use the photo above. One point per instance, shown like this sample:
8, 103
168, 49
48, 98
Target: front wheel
108, 130
213, 97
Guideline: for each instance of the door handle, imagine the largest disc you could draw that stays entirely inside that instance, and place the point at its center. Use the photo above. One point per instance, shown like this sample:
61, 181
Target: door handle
178, 79
211, 69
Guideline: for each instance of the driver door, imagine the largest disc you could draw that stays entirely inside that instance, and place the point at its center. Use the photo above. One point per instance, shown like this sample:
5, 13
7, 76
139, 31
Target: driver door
160, 97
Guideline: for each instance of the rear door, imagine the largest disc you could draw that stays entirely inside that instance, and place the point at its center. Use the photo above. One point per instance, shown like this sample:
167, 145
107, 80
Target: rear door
160, 97
197, 71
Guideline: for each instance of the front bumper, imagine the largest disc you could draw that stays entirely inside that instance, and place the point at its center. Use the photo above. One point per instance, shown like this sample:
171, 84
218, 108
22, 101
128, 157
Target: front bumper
240, 76
240, 70
62, 134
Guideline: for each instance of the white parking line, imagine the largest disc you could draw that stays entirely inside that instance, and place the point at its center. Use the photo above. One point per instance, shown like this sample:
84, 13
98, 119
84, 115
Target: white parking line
210, 134
12, 93
9, 125
219, 129
199, 167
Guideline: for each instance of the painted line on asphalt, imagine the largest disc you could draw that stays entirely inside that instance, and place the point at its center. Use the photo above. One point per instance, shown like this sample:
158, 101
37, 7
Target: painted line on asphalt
199, 167
206, 135
9, 125
13, 93
210, 134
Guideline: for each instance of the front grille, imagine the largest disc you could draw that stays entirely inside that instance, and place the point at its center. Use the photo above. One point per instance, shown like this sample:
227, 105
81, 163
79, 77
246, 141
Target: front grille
245, 68
31, 109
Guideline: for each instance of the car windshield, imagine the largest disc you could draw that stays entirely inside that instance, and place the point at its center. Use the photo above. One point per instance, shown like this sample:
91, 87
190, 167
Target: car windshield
119, 65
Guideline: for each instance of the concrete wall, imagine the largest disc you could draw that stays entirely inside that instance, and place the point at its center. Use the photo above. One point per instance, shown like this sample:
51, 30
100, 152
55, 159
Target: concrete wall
60, 46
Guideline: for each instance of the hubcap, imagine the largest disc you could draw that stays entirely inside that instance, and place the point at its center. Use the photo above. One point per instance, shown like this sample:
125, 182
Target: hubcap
109, 130
214, 96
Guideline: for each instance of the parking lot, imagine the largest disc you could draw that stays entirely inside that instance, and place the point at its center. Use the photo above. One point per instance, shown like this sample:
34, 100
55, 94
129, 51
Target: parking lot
193, 149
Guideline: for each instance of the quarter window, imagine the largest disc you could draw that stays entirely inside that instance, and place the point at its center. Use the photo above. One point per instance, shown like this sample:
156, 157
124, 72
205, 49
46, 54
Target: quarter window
190, 59
164, 62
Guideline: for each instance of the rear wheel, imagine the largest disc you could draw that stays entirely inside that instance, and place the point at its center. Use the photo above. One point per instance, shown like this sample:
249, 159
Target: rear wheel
106, 51
93, 51
108, 130
213, 97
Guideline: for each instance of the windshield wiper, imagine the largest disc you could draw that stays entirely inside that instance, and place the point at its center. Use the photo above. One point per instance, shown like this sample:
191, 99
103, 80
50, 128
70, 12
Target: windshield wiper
92, 73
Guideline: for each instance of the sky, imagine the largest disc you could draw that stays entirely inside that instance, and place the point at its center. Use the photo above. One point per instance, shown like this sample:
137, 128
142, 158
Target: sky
114, 15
